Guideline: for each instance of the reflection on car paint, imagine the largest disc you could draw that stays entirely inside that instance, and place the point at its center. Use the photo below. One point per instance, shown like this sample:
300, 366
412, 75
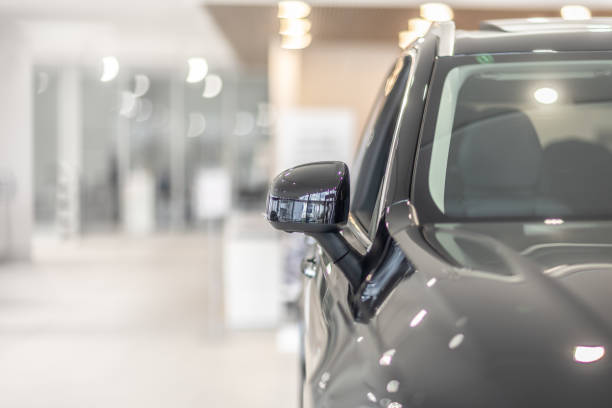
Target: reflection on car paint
387, 357
418, 318
324, 380
456, 341
586, 354
371, 396
328, 269
393, 386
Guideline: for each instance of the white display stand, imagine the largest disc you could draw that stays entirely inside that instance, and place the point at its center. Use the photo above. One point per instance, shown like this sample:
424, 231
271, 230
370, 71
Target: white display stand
212, 194
139, 203
252, 273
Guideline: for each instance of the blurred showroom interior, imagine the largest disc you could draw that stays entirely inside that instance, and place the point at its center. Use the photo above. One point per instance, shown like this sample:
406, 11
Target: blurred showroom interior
138, 140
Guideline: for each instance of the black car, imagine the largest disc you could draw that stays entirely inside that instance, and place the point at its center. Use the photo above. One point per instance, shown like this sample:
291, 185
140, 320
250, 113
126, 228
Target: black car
469, 264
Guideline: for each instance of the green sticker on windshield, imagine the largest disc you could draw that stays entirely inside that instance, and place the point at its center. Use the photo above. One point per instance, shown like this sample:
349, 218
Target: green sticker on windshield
485, 59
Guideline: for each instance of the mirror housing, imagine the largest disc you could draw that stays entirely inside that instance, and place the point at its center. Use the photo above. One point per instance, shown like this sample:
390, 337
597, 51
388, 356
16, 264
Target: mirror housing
314, 199
311, 198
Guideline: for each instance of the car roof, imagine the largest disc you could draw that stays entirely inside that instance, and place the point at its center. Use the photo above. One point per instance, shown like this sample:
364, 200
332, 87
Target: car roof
527, 35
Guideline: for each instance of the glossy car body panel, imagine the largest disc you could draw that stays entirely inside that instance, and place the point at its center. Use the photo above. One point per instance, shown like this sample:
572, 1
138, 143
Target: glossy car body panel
451, 336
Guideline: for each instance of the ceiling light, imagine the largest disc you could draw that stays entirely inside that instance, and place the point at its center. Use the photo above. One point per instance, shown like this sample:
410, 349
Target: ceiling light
129, 104
294, 26
438, 12
586, 354
212, 86
419, 25
245, 123
197, 125
110, 69
406, 38
293, 9
141, 84
546, 95
575, 12
295, 42
198, 68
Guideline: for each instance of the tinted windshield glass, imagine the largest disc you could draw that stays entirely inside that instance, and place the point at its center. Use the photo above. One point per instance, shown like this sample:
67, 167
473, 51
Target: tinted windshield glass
522, 139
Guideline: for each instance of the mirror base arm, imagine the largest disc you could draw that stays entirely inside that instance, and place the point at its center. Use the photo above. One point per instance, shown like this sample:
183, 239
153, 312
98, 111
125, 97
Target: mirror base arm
341, 254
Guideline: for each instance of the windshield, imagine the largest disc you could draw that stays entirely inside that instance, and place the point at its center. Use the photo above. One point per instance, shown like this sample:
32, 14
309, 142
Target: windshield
519, 139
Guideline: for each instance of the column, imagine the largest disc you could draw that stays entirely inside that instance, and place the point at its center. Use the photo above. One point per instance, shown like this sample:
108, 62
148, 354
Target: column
16, 142
70, 129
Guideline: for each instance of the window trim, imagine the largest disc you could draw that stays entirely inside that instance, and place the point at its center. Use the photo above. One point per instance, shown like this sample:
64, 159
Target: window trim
359, 232
366, 234
413, 54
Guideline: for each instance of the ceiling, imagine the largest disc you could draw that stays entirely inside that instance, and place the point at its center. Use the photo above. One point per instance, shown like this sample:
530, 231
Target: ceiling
249, 28
138, 32
227, 32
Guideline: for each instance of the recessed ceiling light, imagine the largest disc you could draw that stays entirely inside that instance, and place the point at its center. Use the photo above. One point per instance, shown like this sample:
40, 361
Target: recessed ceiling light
198, 68
295, 42
293, 9
438, 12
294, 26
110, 69
212, 86
407, 37
575, 12
419, 25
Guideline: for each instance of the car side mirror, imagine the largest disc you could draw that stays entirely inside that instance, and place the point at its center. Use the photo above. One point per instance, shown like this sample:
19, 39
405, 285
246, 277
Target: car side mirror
314, 199
311, 198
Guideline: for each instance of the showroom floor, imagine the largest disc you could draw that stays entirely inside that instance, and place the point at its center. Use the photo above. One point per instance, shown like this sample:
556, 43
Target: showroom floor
122, 322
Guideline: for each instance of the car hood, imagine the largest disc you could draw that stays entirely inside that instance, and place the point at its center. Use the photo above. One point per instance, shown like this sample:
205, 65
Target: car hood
504, 315
573, 260
551, 247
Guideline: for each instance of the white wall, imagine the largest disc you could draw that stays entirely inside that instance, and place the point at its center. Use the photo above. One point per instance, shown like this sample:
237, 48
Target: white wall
345, 75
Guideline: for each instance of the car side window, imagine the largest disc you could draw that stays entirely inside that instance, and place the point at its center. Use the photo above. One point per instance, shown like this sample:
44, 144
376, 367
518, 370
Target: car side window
375, 143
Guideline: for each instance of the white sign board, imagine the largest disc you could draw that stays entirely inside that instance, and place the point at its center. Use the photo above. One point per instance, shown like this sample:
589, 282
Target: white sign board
212, 193
309, 135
